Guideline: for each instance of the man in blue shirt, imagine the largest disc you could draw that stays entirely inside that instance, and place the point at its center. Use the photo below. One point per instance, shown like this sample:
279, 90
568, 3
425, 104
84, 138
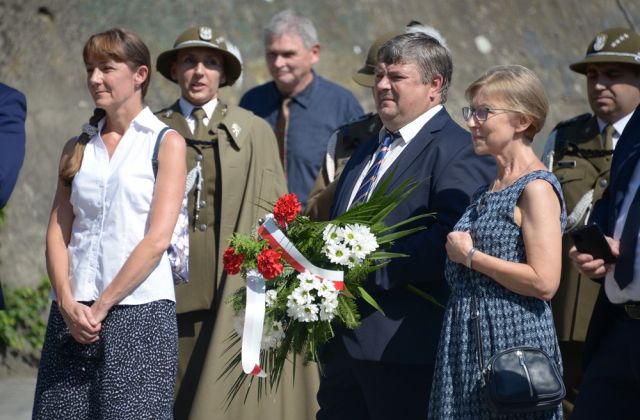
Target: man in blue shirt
302, 107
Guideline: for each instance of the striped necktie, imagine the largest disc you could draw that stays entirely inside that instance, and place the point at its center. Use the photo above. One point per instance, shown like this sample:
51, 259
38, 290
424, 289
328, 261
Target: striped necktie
372, 174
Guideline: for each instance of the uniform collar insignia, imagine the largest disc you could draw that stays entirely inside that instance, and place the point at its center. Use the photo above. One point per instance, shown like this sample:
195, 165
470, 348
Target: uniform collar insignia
235, 129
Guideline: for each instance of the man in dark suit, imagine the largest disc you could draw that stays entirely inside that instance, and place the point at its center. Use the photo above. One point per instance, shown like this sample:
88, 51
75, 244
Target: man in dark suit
611, 359
384, 368
13, 112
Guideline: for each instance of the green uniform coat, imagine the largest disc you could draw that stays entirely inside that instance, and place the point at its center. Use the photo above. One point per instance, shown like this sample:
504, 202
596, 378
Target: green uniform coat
580, 164
241, 169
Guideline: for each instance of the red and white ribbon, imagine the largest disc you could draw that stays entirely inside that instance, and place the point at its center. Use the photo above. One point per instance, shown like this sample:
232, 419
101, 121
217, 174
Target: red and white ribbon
253, 324
271, 232
255, 306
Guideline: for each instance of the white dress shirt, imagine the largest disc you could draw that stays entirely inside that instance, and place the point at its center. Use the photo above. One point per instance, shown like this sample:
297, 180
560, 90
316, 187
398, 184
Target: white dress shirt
632, 291
111, 199
618, 126
408, 133
187, 108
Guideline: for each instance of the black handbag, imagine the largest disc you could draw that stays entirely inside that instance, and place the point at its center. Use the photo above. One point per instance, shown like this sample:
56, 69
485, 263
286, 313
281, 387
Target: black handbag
519, 379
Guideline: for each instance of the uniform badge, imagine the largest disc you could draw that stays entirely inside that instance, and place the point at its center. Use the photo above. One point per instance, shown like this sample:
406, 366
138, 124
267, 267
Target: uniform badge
619, 40
598, 44
206, 33
235, 129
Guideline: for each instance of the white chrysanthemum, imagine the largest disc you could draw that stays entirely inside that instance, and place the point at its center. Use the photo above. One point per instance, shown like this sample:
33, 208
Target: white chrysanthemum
326, 289
301, 296
308, 313
333, 234
365, 242
270, 297
307, 280
328, 308
350, 237
272, 335
326, 316
338, 253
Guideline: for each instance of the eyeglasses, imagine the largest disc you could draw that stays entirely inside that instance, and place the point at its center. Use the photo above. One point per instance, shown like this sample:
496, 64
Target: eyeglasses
480, 114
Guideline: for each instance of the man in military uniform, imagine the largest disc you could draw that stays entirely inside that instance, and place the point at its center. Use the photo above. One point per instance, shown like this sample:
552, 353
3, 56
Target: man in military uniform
579, 153
346, 139
234, 158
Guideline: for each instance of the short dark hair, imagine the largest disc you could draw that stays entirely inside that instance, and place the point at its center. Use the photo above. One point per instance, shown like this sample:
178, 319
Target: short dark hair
425, 51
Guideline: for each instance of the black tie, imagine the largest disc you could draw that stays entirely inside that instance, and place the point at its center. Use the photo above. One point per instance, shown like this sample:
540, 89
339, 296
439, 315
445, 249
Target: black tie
628, 244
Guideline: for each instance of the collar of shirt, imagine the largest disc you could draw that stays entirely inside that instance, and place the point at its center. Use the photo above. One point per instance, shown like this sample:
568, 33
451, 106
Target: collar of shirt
410, 130
408, 133
305, 97
142, 122
187, 108
618, 126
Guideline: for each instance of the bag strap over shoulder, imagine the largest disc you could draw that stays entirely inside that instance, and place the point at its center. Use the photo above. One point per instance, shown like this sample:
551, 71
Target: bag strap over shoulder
156, 149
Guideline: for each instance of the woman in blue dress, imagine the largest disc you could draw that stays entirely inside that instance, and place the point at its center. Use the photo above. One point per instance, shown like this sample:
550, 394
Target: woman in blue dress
505, 250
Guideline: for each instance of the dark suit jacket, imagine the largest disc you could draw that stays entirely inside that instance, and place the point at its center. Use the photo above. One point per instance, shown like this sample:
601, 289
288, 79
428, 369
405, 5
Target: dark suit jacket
441, 158
625, 158
13, 110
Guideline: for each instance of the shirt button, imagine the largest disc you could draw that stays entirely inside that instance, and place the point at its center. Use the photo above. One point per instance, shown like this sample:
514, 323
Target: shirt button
202, 204
202, 227
603, 183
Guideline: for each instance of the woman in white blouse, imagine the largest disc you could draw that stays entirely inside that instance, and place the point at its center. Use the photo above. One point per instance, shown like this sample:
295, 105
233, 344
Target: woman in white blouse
111, 344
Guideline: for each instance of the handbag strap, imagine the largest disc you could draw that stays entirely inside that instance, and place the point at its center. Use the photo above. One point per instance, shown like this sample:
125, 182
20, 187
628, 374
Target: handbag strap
156, 149
475, 316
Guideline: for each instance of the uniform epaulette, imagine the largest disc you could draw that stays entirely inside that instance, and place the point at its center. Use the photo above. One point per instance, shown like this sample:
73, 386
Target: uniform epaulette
165, 112
580, 118
361, 118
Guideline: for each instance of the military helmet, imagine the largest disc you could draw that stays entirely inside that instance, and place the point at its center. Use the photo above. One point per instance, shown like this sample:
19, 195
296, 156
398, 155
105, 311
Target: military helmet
366, 75
614, 45
201, 36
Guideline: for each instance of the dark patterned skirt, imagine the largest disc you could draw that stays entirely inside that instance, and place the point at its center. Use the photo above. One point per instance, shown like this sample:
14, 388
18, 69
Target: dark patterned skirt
129, 373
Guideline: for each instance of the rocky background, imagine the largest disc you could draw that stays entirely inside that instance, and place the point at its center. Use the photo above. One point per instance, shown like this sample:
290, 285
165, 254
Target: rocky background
41, 44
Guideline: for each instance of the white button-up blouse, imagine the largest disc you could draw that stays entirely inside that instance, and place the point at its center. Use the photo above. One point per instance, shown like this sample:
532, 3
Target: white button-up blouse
111, 201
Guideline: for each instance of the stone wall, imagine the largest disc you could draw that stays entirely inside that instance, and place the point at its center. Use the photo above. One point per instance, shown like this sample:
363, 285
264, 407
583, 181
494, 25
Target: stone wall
41, 43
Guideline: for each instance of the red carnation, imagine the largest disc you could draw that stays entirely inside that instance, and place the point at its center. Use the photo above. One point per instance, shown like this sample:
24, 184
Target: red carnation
269, 264
286, 209
232, 261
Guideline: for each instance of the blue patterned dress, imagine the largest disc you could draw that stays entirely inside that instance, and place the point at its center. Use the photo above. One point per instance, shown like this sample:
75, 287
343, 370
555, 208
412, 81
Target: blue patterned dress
507, 318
